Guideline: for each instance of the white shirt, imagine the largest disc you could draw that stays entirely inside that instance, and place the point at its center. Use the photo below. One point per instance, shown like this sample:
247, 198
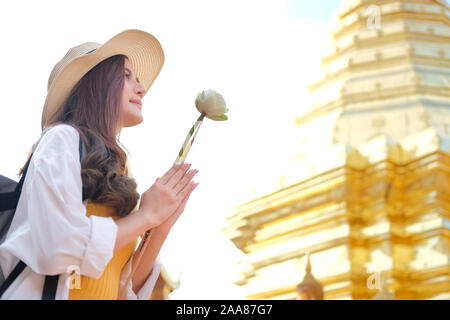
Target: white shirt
50, 231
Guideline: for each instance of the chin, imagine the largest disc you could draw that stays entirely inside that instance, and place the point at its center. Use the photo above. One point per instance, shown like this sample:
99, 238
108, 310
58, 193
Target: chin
134, 122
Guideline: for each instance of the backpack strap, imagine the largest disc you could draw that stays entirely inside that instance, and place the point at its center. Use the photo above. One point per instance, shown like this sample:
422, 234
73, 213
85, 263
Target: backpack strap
12, 276
50, 286
18, 189
51, 282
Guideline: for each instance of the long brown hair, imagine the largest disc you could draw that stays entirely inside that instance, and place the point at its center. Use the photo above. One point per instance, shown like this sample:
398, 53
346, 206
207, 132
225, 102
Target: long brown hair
94, 109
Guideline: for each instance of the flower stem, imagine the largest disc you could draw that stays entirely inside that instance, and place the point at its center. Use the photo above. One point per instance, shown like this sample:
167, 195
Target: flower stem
189, 139
202, 116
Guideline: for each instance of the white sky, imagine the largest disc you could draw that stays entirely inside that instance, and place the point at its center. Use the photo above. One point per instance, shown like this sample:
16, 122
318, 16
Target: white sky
258, 57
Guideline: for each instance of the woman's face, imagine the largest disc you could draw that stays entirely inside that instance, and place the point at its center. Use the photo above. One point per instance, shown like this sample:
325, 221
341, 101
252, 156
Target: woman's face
132, 95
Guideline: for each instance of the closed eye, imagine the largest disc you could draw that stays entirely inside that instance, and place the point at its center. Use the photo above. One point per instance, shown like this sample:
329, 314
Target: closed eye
129, 74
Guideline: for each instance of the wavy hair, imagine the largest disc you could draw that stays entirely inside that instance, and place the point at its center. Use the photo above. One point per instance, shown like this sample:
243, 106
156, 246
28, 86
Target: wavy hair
94, 109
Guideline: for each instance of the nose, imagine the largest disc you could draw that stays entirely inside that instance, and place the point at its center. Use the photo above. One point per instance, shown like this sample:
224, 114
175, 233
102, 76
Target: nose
139, 90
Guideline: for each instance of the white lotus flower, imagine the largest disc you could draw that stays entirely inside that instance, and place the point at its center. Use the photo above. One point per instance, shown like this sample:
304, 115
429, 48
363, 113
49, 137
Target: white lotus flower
212, 104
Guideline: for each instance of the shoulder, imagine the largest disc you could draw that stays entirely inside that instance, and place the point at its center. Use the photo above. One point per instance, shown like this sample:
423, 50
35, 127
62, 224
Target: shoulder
60, 131
60, 139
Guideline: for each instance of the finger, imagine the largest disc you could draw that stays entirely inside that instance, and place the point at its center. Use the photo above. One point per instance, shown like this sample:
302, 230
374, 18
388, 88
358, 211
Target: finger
185, 180
179, 174
170, 173
173, 180
188, 189
182, 205
191, 190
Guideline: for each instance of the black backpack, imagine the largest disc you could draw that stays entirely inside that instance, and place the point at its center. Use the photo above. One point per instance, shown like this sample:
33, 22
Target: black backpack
10, 191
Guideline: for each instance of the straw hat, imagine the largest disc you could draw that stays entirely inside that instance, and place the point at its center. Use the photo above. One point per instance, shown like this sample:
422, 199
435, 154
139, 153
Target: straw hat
142, 49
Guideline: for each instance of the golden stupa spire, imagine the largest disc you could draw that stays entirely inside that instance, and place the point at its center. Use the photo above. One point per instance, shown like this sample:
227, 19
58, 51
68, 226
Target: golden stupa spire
310, 288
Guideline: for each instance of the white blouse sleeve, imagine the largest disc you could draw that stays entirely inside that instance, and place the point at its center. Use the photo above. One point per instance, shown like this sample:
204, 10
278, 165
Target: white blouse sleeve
51, 229
147, 289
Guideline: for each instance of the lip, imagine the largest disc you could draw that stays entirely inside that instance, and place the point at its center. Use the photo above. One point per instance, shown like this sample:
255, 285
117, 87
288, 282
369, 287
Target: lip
137, 102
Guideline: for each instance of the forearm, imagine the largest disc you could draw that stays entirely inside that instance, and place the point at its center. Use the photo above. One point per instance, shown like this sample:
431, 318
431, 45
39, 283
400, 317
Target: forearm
145, 267
129, 228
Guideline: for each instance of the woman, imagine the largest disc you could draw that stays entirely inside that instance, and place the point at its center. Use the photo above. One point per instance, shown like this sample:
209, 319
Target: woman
90, 222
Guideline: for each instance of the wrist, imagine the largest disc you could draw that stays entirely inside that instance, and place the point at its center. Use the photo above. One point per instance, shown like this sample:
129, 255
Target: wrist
147, 217
161, 229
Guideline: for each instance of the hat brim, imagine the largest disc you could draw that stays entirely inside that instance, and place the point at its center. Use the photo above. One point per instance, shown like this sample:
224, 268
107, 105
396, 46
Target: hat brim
142, 49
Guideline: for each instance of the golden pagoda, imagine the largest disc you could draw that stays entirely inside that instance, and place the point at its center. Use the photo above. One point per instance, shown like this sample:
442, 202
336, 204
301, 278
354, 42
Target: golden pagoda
370, 189
309, 288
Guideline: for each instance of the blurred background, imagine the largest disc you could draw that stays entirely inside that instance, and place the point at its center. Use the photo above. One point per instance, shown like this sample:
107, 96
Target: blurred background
331, 178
